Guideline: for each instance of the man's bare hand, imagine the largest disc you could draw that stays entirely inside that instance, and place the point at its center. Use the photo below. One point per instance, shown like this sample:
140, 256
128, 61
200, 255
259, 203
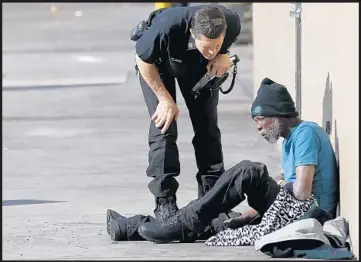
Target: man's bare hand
219, 65
242, 220
166, 111
279, 177
237, 222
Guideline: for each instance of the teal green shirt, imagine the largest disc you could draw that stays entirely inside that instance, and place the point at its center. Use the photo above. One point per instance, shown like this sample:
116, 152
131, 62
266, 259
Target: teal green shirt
308, 144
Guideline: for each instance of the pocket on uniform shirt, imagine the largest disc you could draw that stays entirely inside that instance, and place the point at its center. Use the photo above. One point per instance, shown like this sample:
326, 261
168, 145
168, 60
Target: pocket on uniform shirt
176, 66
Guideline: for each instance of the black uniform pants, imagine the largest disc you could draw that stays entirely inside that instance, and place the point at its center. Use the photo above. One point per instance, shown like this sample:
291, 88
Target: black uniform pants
247, 178
163, 151
134, 222
208, 213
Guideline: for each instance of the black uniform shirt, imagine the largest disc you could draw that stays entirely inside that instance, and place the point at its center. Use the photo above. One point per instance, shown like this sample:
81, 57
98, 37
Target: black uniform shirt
168, 40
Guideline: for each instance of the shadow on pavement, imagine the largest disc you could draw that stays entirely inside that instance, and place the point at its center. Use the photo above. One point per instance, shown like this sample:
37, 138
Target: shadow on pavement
18, 202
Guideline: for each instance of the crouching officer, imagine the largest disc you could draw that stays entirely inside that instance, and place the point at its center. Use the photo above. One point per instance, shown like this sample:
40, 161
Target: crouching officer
183, 43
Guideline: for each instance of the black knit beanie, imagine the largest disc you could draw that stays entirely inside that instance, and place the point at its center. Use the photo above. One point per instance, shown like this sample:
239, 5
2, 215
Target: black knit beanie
273, 99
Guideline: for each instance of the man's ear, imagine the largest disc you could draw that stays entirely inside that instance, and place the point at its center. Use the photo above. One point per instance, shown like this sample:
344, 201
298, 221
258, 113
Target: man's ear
190, 30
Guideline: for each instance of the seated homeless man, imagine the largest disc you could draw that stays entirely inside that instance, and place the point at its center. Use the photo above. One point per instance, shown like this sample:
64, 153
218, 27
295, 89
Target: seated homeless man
310, 178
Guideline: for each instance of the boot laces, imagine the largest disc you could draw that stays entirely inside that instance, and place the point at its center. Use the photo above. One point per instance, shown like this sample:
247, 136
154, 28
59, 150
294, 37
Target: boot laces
168, 204
171, 221
166, 201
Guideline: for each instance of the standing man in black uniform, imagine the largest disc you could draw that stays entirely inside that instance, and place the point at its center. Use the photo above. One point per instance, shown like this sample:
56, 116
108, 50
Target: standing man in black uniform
183, 43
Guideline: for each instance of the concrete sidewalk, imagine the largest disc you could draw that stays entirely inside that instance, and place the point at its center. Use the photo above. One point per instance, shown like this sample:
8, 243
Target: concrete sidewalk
69, 154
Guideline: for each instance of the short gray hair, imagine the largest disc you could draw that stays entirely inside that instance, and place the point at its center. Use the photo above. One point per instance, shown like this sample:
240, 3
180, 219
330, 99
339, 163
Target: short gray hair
210, 22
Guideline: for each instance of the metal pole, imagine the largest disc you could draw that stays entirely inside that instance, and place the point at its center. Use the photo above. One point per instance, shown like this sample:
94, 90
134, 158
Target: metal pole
296, 13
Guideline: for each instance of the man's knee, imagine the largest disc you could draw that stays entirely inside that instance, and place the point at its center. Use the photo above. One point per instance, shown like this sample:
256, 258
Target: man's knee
171, 135
248, 167
253, 168
247, 173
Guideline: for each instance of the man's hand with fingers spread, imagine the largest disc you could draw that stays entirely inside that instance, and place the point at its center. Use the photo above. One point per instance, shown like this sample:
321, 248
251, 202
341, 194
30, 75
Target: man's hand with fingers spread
236, 222
166, 111
242, 220
219, 65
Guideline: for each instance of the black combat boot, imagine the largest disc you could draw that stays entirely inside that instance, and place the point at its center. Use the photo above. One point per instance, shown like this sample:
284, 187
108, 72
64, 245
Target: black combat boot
171, 229
122, 228
205, 183
116, 226
165, 207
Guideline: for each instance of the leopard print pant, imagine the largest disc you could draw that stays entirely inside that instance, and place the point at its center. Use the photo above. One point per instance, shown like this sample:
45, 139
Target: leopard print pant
284, 210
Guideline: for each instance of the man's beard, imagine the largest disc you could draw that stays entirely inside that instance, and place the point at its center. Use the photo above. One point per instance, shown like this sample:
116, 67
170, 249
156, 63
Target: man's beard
273, 133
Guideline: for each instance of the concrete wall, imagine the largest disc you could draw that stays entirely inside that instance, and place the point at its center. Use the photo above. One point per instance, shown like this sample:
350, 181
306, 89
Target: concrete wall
329, 78
274, 43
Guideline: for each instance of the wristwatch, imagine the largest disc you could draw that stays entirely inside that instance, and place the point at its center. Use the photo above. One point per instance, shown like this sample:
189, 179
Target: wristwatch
281, 182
